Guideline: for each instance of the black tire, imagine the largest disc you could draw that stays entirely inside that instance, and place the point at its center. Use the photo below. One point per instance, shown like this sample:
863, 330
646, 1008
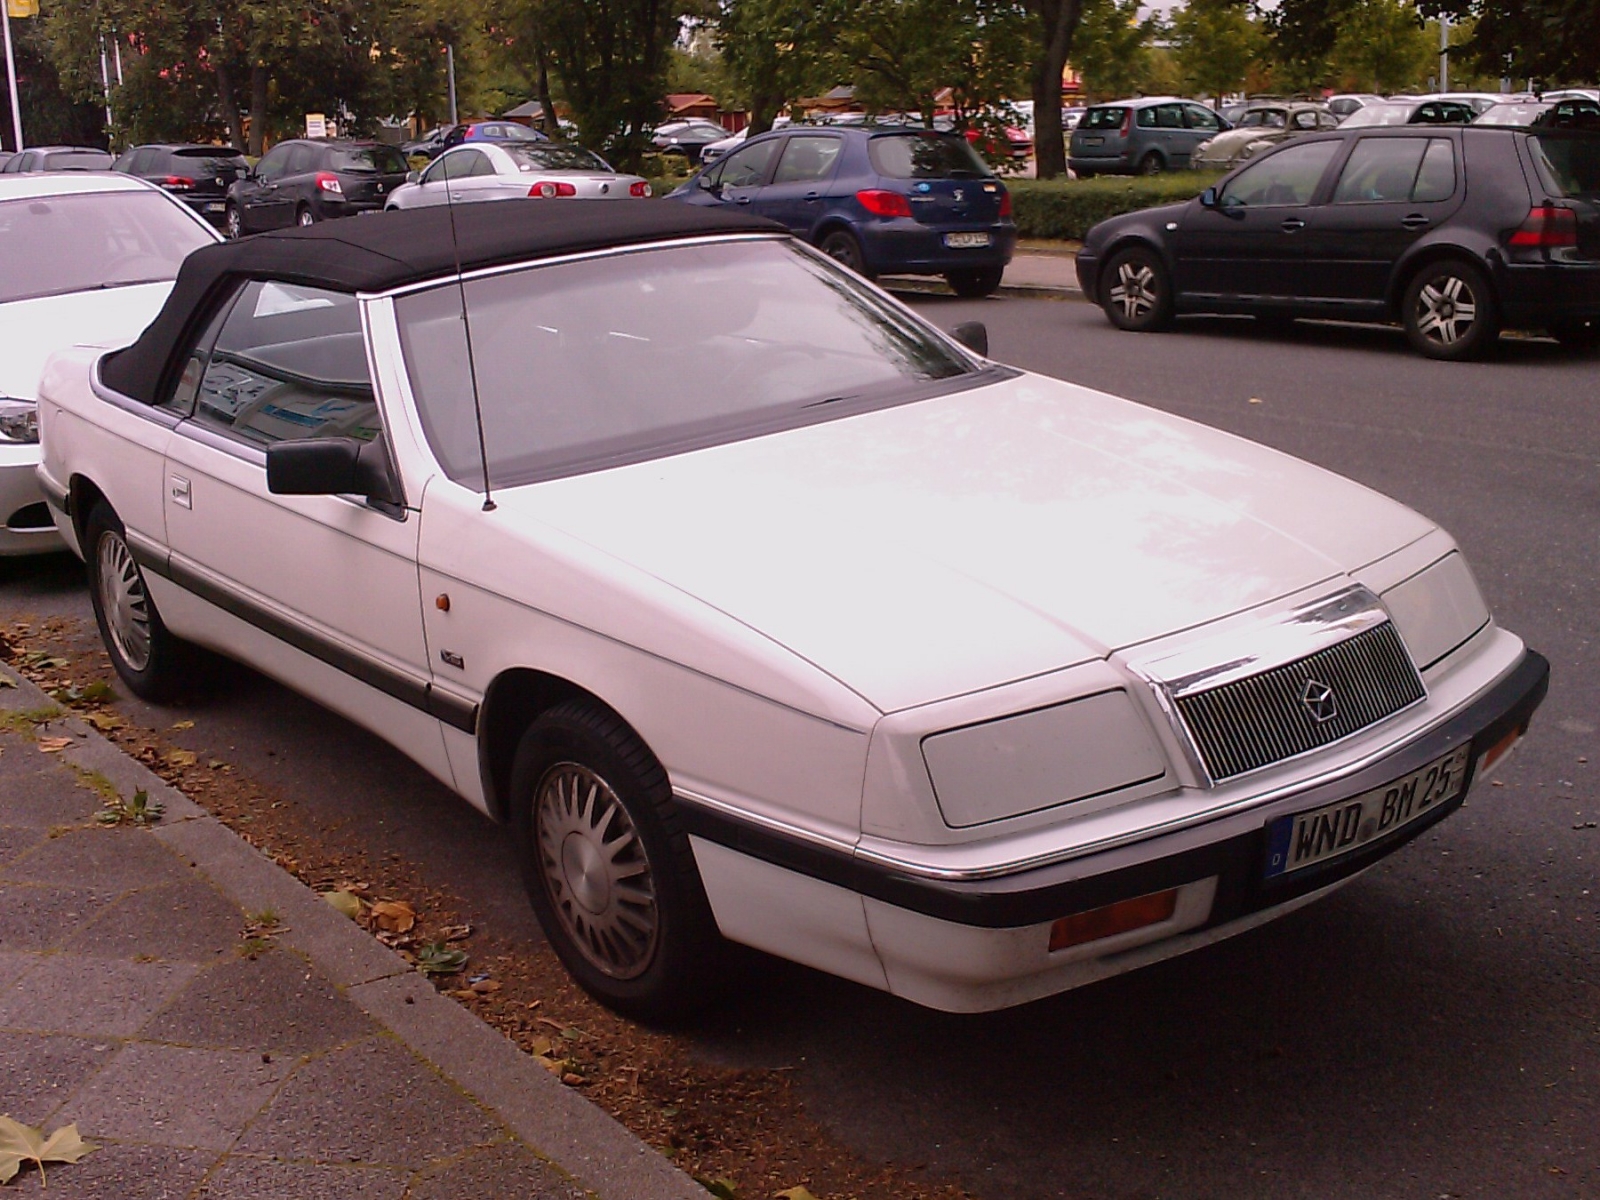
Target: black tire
1151, 164
1136, 290
303, 216
648, 948
234, 222
974, 283
151, 661
1082, 174
841, 246
1449, 311
1579, 333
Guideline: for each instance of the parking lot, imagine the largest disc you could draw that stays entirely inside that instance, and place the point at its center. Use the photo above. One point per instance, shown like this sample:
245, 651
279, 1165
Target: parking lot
1432, 1030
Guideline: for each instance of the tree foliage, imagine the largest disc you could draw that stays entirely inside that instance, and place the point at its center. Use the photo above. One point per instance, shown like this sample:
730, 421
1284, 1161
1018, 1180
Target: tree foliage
1303, 34
1557, 41
1383, 46
1112, 48
776, 52
1217, 42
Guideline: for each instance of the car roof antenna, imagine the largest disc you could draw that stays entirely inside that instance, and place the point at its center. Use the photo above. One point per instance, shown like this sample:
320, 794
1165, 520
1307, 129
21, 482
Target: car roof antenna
472, 362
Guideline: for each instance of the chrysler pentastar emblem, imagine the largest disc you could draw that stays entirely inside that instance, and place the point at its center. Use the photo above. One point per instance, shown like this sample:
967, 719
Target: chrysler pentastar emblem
1317, 697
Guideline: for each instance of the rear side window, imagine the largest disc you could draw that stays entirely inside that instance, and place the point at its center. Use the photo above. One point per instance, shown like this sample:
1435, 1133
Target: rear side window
1109, 117
1568, 164
1437, 179
289, 362
925, 156
1288, 177
806, 159
376, 160
1398, 170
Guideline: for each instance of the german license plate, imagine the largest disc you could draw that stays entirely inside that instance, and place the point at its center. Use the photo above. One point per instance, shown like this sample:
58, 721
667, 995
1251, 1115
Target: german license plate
1305, 839
216, 207
1093, 141
965, 241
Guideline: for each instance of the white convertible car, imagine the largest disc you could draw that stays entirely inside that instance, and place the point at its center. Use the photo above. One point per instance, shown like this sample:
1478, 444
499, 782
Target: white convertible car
759, 609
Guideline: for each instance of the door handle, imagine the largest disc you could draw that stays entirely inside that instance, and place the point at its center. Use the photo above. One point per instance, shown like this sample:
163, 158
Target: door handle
742, 200
813, 195
1415, 221
1293, 225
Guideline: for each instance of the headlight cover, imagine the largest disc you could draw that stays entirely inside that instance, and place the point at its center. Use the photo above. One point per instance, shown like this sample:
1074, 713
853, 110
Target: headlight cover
19, 421
1437, 609
1036, 760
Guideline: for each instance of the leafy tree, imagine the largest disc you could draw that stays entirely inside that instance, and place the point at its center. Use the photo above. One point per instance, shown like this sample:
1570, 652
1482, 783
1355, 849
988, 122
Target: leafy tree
776, 51
1055, 24
1383, 46
1303, 33
1552, 40
1216, 43
1112, 48
51, 111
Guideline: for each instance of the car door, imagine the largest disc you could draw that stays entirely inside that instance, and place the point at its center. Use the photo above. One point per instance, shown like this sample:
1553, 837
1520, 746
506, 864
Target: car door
1390, 192
431, 183
259, 196
298, 182
738, 177
1199, 124
325, 587
1246, 246
471, 177
800, 181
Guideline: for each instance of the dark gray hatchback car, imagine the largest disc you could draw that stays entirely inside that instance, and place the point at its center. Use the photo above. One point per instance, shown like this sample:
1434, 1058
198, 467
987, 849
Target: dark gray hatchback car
1140, 137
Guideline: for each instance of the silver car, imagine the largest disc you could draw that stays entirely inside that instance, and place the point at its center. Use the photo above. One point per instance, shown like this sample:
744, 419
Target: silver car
515, 171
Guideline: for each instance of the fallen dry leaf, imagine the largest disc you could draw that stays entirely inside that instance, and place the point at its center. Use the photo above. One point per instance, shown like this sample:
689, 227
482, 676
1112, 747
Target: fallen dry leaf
54, 745
104, 721
180, 758
21, 1143
484, 986
183, 725
346, 902
393, 916
794, 1193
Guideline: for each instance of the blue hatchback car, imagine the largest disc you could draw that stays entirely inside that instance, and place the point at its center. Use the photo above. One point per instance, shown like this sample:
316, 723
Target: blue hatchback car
880, 199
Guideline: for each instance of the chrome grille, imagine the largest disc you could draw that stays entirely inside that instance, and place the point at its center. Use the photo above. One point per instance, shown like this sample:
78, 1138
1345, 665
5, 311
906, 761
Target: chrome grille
1263, 718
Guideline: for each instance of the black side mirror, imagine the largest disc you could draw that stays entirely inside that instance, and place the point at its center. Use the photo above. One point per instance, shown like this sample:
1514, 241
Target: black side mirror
1208, 198
330, 467
974, 335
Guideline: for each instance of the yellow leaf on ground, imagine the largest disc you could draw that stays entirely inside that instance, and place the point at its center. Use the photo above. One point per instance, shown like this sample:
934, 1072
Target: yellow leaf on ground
104, 721
794, 1193
54, 745
183, 725
21, 1143
346, 902
394, 916
180, 758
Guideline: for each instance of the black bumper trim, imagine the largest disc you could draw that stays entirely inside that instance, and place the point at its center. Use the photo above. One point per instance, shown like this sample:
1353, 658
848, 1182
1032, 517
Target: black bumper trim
1046, 893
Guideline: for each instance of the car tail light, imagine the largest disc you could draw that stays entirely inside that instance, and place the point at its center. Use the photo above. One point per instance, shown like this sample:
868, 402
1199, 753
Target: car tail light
1121, 917
177, 183
548, 189
327, 181
1547, 228
640, 189
881, 203
1005, 203
1127, 123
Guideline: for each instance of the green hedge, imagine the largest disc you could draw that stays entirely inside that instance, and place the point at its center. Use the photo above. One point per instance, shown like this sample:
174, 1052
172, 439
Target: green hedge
1066, 208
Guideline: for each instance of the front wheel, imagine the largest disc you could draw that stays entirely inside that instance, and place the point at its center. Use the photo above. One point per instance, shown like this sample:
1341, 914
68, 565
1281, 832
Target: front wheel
1449, 312
841, 246
608, 866
974, 282
1151, 164
150, 660
1138, 291
235, 222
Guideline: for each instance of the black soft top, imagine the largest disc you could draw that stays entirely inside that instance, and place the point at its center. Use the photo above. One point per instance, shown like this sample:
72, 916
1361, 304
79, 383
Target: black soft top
376, 253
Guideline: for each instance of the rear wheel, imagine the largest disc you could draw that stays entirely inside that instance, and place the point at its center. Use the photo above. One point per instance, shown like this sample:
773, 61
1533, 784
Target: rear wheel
1137, 291
608, 866
974, 282
1579, 333
305, 216
841, 246
1151, 164
235, 222
1449, 311
150, 660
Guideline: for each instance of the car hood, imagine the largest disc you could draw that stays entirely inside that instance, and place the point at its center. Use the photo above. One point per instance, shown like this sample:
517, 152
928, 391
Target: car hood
1231, 141
32, 330
965, 541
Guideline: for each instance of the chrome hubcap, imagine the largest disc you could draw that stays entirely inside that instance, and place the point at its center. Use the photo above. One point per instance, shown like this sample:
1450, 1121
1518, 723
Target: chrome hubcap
1446, 309
124, 601
595, 870
1134, 292
306, 218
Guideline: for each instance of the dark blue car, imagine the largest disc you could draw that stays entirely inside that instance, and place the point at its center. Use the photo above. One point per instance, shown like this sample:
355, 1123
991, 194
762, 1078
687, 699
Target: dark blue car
878, 199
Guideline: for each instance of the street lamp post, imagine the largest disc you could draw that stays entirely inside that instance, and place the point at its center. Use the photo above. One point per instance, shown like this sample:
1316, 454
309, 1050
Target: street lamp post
11, 75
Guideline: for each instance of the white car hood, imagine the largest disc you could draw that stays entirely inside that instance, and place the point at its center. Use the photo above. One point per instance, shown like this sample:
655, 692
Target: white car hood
32, 330
962, 542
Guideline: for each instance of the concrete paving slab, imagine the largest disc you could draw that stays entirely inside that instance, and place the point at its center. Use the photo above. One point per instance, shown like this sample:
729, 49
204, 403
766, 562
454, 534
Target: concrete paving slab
175, 1095
33, 796
38, 1072
95, 997
504, 1170
276, 1002
244, 1177
179, 922
128, 776
16, 840
45, 917
117, 1172
374, 1102
116, 859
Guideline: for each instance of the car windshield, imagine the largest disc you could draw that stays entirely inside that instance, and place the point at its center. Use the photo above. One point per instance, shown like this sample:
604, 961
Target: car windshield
374, 160
1379, 114
1271, 117
554, 156
1569, 163
618, 358
1103, 118
925, 156
52, 245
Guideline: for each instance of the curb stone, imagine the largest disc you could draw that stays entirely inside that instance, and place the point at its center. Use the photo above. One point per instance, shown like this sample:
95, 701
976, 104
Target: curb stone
573, 1133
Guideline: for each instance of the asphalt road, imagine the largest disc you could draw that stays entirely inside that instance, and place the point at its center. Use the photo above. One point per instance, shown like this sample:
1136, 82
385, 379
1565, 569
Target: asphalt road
1431, 1031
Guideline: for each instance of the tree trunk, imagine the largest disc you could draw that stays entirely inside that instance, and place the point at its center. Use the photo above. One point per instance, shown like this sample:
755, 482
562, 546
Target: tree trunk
1058, 22
548, 105
258, 108
764, 110
230, 103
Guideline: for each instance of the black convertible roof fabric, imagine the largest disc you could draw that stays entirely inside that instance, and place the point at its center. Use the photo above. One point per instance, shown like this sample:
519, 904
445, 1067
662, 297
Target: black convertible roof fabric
376, 253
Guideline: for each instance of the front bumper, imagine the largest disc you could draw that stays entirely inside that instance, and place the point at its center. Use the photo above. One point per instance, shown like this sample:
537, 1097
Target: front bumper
26, 525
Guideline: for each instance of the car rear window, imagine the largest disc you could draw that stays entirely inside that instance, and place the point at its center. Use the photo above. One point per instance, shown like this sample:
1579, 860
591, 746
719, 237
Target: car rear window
378, 160
208, 160
77, 160
924, 156
553, 156
53, 245
1103, 118
1568, 164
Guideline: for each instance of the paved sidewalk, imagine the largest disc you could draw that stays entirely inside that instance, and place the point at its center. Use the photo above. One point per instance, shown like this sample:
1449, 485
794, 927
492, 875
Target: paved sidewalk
1030, 273
308, 1063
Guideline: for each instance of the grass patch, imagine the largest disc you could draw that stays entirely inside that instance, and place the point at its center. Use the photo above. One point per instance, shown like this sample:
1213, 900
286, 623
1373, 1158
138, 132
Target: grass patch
1065, 209
24, 720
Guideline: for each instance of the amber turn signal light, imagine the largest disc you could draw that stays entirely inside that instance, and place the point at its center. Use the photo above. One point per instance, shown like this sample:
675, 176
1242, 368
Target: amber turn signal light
1113, 919
1499, 750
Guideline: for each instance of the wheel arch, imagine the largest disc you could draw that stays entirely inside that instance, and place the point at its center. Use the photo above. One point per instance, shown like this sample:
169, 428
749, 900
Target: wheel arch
1426, 256
82, 495
1128, 240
